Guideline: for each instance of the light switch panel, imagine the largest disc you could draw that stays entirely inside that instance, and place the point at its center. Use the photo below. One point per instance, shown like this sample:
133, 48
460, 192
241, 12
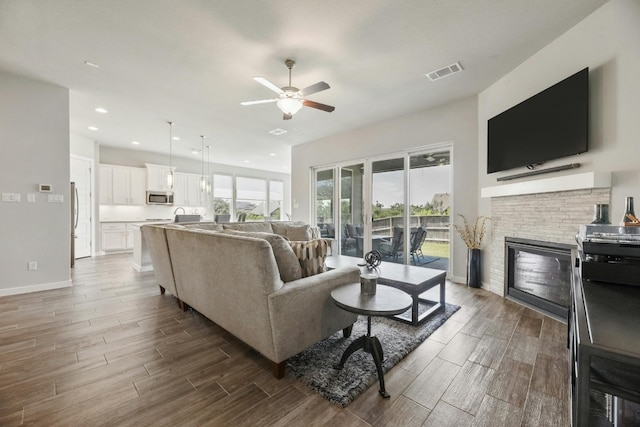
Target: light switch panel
11, 197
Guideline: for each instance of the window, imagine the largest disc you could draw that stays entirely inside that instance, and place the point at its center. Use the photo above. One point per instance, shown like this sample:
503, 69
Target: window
251, 198
324, 202
222, 194
276, 199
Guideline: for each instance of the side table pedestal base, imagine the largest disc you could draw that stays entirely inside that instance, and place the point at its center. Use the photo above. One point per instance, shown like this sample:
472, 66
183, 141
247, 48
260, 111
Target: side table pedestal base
371, 345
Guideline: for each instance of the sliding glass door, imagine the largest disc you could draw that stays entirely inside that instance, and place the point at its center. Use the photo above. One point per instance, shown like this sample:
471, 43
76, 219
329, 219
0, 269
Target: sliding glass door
430, 201
352, 212
388, 208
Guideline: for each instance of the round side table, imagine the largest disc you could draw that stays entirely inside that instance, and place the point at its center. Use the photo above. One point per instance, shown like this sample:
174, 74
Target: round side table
387, 301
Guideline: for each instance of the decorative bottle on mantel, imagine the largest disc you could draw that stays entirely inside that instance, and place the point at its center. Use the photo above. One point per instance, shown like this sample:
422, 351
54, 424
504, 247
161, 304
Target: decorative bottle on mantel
629, 214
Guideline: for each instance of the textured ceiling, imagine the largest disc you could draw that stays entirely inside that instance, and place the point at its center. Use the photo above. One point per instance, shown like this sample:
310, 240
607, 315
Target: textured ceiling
192, 62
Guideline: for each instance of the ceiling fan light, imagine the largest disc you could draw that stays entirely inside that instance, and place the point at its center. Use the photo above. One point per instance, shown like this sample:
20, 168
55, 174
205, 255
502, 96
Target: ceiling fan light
289, 105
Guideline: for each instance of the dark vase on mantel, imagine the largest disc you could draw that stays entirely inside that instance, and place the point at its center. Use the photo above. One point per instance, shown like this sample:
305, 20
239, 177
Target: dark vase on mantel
473, 268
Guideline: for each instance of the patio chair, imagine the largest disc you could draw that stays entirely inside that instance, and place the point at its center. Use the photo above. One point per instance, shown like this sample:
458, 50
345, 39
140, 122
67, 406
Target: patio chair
221, 218
393, 249
417, 239
349, 235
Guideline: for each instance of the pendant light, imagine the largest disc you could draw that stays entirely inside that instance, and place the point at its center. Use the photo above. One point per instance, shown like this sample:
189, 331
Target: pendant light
203, 182
208, 172
170, 177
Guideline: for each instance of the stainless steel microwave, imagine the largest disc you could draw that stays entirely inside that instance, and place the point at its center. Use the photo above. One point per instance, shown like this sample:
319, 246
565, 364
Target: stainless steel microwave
159, 198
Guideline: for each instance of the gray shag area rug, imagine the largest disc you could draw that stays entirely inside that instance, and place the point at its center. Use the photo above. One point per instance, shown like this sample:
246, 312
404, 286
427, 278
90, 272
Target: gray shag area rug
314, 366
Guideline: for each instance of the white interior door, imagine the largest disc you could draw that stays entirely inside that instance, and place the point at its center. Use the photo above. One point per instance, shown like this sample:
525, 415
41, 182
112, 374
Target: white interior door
81, 175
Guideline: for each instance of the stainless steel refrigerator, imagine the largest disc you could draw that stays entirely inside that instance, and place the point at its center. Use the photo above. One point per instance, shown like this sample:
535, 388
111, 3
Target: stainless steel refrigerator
73, 197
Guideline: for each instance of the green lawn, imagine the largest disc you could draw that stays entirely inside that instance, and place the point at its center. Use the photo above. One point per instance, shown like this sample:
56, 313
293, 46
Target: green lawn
439, 249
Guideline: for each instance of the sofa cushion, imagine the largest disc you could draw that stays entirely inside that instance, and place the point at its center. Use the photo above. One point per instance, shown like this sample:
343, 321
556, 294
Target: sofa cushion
204, 226
311, 255
264, 227
288, 264
293, 231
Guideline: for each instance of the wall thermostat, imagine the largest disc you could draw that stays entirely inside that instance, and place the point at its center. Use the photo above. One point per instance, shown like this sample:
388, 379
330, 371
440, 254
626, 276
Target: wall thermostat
44, 188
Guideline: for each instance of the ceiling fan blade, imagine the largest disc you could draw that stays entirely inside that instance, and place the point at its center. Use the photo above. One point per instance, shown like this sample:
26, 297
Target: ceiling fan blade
320, 86
258, 101
319, 106
266, 83
286, 116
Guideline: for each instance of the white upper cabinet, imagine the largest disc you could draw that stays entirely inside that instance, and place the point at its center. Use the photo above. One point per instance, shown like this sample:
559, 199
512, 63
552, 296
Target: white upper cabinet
121, 185
157, 177
187, 190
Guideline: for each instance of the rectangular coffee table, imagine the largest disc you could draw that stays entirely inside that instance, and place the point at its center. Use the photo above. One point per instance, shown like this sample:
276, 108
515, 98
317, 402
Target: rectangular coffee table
408, 278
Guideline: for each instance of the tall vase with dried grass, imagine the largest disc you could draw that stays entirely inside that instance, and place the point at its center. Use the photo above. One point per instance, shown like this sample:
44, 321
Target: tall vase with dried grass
472, 236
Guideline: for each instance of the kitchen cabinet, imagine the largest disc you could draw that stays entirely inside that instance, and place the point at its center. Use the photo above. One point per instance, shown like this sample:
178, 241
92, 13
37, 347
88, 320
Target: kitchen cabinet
113, 237
157, 177
116, 237
121, 185
187, 191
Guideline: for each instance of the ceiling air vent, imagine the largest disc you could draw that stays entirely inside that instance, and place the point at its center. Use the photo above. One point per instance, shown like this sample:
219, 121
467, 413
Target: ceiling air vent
444, 72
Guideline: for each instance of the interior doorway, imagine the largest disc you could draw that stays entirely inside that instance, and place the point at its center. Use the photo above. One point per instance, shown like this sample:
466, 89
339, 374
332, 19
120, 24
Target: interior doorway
81, 174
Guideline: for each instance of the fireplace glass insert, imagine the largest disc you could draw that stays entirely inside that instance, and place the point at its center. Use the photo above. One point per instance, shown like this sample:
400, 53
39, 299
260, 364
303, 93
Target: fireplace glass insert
539, 274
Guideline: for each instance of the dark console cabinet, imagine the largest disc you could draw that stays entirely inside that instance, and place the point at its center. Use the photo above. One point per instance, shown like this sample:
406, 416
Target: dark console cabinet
604, 343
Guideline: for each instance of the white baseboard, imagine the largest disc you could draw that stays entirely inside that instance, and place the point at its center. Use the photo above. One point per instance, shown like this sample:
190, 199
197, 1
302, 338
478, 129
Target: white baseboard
458, 279
141, 268
34, 288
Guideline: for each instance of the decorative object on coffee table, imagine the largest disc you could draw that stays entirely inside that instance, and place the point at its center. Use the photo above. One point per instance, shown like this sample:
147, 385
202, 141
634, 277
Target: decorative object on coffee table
369, 278
472, 237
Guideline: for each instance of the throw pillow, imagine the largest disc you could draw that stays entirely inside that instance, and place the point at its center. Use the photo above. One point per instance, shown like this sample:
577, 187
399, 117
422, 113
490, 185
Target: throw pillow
287, 262
311, 255
293, 231
299, 232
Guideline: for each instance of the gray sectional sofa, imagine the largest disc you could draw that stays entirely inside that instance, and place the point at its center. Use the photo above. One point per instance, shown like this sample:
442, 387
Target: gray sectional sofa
246, 278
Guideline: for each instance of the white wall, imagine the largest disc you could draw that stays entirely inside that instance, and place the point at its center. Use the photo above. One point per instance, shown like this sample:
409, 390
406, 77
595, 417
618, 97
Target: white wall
34, 129
456, 122
607, 43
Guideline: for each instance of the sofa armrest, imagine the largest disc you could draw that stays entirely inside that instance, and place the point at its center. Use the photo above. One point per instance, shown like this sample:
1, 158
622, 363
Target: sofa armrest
302, 312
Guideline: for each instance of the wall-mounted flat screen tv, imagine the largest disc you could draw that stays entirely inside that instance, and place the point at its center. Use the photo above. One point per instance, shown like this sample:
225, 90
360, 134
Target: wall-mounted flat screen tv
551, 124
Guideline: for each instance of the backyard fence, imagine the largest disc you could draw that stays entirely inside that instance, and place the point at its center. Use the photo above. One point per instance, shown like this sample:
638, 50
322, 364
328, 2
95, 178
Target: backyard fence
437, 226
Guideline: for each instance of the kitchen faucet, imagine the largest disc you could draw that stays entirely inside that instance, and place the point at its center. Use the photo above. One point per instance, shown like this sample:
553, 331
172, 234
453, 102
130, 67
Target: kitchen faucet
179, 207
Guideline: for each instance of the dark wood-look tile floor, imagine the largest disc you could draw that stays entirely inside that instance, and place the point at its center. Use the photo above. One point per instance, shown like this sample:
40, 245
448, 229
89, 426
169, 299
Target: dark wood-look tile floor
112, 351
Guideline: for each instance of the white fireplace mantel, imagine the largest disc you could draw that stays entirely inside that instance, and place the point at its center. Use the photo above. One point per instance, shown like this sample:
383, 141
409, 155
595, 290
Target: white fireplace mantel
578, 181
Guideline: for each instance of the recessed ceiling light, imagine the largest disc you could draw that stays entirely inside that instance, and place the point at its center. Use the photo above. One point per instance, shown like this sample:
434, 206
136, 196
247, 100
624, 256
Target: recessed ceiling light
91, 64
194, 151
277, 131
93, 128
101, 110
176, 138
135, 142
247, 161
272, 154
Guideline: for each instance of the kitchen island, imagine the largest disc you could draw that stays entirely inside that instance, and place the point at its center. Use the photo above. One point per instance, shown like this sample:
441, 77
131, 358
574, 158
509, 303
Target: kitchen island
141, 260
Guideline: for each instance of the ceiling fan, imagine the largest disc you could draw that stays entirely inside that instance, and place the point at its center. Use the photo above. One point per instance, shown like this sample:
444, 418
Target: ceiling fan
291, 99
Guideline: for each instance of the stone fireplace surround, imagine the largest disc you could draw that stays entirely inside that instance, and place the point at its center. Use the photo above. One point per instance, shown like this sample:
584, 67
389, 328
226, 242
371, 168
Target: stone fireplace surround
553, 216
